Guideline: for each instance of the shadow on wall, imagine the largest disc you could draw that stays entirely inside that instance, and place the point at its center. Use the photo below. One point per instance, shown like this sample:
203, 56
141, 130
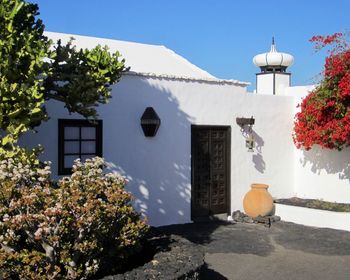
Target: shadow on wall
331, 161
258, 160
158, 168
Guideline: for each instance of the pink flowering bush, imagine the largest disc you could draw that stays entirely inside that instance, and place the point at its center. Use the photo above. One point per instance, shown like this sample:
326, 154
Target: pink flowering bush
68, 230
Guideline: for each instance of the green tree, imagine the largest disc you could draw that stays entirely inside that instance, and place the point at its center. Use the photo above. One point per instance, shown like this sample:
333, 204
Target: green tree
34, 70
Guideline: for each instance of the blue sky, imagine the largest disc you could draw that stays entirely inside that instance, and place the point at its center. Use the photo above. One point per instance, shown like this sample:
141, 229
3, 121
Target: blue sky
220, 36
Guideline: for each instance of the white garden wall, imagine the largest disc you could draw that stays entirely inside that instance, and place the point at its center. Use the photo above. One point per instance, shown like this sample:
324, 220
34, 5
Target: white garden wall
159, 168
320, 173
314, 217
323, 174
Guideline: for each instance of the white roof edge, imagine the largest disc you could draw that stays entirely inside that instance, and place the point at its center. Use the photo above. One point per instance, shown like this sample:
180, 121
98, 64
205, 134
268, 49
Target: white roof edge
71, 35
185, 78
191, 65
200, 75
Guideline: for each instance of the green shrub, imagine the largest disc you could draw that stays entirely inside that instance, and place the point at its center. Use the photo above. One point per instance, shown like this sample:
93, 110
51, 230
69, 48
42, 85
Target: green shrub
68, 230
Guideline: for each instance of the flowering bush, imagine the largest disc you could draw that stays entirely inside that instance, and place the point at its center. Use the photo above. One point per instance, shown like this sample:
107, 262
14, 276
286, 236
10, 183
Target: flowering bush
67, 230
324, 118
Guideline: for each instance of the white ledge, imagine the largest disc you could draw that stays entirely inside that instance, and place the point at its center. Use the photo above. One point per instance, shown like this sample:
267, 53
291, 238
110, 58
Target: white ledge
185, 78
313, 217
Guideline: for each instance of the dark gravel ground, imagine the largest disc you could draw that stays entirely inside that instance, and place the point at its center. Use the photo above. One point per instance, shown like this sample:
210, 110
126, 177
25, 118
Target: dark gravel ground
169, 257
283, 251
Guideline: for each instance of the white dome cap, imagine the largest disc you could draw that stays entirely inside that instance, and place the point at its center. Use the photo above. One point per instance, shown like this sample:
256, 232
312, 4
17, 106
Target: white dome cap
273, 58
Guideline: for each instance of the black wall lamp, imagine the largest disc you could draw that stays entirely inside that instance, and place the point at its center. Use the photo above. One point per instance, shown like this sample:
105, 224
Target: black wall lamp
150, 122
242, 122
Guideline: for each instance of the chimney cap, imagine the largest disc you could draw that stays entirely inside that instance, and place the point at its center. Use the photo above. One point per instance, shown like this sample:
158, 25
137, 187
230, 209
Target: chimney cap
273, 58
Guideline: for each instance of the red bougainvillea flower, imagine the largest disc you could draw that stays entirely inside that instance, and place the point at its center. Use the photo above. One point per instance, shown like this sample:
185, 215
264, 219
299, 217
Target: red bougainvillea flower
324, 117
344, 86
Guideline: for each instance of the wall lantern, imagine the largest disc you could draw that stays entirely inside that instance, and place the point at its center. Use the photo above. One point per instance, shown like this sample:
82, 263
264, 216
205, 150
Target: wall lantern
150, 122
248, 133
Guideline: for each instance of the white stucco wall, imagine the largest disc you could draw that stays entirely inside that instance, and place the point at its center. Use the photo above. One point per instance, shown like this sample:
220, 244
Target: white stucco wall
159, 168
313, 217
320, 173
323, 174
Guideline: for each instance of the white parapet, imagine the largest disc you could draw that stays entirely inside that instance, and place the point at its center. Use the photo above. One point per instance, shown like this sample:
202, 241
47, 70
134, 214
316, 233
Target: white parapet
313, 217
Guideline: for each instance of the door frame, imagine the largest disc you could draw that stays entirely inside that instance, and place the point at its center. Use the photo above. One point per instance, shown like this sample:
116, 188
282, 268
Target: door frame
228, 166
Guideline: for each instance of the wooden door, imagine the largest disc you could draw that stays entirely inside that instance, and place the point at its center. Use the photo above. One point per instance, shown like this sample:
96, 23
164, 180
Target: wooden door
210, 170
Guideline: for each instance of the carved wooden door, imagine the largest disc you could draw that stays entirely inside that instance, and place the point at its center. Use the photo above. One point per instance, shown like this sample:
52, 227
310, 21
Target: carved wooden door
210, 170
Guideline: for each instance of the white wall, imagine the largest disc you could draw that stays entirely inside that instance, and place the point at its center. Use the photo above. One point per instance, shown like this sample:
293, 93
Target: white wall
313, 217
320, 173
323, 174
159, 168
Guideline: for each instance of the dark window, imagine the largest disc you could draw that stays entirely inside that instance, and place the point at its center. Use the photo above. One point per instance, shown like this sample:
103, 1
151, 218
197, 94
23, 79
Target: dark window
77, 139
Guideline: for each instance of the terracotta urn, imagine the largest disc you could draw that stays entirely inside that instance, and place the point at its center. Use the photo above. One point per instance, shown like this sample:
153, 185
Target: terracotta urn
258, 201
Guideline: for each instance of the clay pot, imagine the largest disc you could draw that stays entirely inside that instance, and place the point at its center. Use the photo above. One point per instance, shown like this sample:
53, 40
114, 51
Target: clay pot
258, 201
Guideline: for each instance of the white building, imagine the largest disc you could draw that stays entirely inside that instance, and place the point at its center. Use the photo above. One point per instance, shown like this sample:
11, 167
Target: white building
197, 164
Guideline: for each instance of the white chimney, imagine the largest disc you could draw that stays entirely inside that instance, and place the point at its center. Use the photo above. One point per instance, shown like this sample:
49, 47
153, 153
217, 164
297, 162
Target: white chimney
273, 77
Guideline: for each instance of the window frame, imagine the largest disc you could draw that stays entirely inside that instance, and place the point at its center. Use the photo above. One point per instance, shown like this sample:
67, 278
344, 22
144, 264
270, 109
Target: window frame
62, 123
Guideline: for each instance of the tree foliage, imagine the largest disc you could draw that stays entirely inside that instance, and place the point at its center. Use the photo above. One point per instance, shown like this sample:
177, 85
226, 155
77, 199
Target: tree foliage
324, 117
23, 48
82, 79
33, 70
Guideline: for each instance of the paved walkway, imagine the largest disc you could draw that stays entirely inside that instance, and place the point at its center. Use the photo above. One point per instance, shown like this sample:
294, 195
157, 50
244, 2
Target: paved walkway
284, 251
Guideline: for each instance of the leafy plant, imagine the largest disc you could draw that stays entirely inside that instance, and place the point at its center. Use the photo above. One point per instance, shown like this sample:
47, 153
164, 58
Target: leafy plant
65, 231
22, 69
324, 118
33, 70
